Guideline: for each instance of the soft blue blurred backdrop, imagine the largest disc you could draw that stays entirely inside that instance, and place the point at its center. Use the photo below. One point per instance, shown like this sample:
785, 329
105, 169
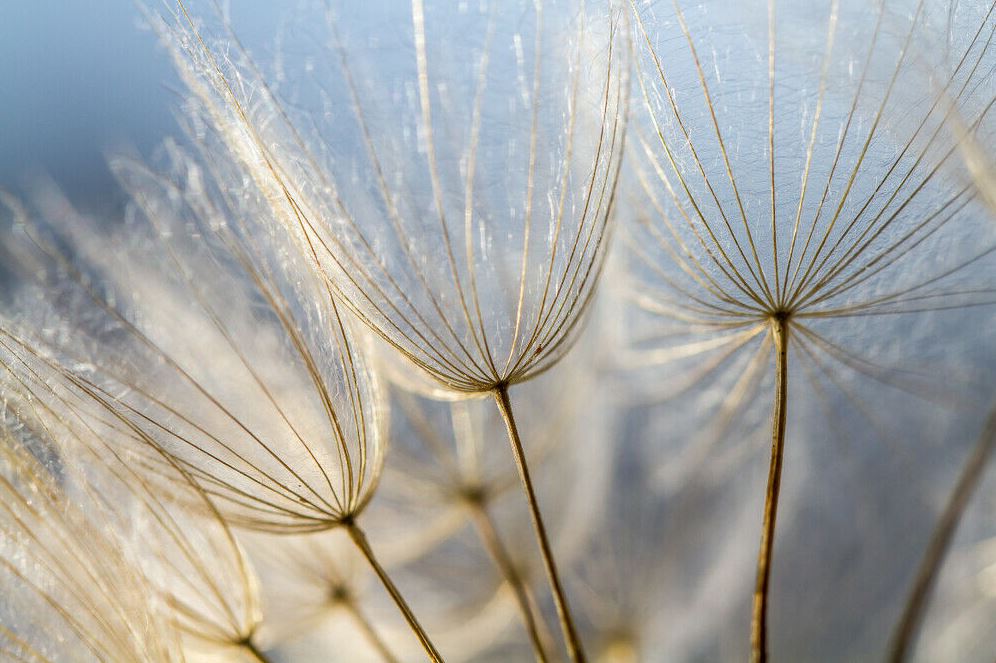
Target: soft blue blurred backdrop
82, 78
79, 78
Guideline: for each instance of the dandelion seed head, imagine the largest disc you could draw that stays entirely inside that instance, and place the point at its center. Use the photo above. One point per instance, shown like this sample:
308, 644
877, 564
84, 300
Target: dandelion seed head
851, 231
435, 180
229, 357
72, 588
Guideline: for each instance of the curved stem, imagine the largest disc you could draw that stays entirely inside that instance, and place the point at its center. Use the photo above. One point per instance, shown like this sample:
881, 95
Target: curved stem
571, 639
906, 630
503, 560
759, 616
360, 539
370, 632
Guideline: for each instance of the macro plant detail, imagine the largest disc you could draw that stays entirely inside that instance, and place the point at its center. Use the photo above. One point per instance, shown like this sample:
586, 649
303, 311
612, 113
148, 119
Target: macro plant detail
846, 180
306, 455
736, 260
453, 319
68, 590
199, 568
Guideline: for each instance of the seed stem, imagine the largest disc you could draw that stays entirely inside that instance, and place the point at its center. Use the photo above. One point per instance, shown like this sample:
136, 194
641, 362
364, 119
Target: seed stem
360, 539
759, 617
906, 630
571, 639
503, 560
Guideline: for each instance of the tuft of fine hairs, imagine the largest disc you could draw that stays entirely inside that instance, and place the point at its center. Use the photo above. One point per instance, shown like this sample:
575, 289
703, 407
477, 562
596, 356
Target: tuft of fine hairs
541, 330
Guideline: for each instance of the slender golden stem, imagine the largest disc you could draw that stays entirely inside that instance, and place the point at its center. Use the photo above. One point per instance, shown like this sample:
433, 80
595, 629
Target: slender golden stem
906, 630
499, 554
759, 616
253, 649
360, 539
369, 631
571, 639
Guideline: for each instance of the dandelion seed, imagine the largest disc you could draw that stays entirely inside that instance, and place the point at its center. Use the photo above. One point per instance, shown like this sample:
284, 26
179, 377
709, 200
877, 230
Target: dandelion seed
226, 357
189, 553
71, 590
315, 589
445, 461
854, 216
397, 242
